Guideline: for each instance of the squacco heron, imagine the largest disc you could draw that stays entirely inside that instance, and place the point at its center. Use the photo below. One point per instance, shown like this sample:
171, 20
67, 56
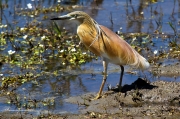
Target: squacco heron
105, 43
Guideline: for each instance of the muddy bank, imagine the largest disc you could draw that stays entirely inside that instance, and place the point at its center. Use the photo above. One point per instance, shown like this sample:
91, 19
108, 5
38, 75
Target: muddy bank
171, 70
141, 99
158, 99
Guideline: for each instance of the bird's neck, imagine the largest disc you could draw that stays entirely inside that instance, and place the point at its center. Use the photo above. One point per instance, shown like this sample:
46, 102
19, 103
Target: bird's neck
89, 24
87, 31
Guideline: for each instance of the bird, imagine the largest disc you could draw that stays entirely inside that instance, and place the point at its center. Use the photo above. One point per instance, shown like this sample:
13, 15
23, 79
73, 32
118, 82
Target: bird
105, 43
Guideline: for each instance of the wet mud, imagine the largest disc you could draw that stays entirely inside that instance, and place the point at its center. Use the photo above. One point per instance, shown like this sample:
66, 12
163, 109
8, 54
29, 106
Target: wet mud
171, 70
140, 99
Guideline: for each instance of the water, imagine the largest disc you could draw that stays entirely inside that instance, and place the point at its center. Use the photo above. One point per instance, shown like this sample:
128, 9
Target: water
118, 15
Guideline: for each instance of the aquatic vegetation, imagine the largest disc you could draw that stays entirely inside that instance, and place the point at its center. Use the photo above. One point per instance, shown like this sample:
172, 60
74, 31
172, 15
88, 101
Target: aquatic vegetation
26, 48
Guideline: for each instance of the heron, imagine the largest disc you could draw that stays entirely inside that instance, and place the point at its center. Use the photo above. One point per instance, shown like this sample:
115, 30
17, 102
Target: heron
105, 43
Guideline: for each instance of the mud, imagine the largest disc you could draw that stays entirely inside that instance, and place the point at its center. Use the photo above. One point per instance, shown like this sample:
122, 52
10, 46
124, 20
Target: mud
171, 70
157, 99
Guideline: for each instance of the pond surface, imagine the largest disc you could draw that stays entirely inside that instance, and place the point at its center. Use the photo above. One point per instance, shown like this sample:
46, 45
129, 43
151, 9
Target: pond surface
158, 20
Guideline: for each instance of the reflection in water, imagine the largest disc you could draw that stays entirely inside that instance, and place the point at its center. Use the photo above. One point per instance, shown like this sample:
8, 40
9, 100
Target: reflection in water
135, 17
153, 14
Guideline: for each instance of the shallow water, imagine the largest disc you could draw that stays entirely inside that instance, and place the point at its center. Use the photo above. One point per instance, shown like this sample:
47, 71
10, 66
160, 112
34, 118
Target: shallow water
118, 15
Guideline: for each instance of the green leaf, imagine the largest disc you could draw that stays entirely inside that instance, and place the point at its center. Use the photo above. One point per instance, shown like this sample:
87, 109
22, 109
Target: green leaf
56, 29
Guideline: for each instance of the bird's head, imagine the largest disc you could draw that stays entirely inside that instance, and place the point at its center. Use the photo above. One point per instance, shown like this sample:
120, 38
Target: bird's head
76, 15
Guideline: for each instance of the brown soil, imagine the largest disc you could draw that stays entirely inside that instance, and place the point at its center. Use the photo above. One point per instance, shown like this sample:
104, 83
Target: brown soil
167, 70
140, 99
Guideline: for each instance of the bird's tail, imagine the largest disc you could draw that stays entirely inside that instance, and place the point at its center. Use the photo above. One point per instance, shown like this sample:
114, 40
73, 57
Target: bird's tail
139, 61
142, 63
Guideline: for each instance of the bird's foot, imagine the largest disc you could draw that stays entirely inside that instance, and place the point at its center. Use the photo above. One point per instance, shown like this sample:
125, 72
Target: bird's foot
97, 97
120, 88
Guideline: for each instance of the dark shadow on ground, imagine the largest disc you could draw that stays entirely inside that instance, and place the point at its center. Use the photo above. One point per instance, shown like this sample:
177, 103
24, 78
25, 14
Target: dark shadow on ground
138, 84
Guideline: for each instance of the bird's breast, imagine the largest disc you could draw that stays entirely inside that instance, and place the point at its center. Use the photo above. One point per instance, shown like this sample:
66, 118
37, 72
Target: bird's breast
100, 44
88, 38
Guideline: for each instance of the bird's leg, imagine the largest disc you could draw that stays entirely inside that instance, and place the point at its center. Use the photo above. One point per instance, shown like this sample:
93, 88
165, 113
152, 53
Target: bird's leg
121, 77
105, 64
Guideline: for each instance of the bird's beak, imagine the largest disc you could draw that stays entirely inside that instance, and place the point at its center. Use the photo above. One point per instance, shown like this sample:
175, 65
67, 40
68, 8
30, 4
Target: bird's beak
64, 17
